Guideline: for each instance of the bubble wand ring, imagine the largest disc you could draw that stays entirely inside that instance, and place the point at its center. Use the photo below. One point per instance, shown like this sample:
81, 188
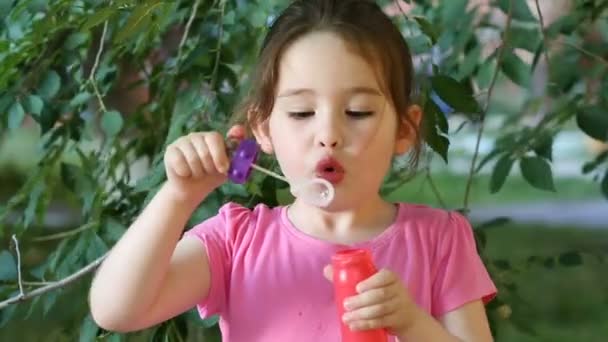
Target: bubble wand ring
316, 191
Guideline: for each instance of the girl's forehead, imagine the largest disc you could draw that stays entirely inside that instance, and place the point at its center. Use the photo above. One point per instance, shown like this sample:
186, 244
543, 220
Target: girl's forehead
325, 61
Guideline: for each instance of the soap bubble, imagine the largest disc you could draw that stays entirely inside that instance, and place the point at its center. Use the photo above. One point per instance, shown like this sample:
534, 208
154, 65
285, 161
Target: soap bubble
317, 191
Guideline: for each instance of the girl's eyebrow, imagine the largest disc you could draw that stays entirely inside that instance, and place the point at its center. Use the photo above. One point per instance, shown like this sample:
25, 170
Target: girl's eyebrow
348, 91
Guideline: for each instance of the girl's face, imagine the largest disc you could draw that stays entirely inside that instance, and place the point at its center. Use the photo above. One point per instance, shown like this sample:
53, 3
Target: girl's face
331, 120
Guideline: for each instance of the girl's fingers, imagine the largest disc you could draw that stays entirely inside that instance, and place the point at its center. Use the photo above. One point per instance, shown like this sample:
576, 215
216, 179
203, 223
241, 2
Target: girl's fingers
177, 162
217, 151
192, 157
202, 152
370, 297
371, 312
382, 278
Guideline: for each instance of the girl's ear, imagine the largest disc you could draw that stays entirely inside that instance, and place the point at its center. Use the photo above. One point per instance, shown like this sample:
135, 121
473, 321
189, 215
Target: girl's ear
406, 134
261, 133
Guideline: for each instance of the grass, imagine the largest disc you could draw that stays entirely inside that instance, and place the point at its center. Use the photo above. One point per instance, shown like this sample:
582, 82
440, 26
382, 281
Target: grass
451, 188
558, 303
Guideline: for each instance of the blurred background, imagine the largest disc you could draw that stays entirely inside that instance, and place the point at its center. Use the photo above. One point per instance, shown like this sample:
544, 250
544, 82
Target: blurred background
515, 94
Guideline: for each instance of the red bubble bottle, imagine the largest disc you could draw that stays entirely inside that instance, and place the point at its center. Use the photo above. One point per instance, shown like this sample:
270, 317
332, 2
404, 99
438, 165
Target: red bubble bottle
350, 267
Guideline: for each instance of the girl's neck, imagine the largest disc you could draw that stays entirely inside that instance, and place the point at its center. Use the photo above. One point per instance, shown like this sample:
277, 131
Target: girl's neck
348, 226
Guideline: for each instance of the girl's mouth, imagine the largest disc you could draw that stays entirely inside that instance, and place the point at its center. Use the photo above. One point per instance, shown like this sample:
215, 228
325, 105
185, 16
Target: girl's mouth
330, 169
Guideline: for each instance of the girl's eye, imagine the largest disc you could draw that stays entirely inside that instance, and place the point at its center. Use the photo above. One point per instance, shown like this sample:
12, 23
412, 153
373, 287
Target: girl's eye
300, 115
359, 114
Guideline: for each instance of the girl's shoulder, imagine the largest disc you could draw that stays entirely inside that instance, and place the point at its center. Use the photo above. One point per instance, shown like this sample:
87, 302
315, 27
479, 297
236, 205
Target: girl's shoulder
431, 220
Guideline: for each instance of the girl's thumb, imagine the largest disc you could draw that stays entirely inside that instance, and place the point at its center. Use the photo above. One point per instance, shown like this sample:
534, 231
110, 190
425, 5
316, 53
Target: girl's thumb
237, 132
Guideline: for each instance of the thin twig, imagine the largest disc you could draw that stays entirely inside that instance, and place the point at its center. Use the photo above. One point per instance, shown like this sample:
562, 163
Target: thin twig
54, 285
218, 51
66, 234
584, 51
96, 65
499, 58
435, 189
187, 30
19, 279
544, 34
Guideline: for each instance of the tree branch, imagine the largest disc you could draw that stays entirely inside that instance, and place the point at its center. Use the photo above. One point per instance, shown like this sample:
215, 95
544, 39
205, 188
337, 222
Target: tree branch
96, 65
187, 30
544, 34
499, 58
218, 51
67, 233
19, 278
54, 285
434, 188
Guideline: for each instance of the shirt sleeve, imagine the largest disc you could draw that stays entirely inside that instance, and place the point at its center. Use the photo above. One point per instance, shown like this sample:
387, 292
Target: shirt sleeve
220, 235
460, 276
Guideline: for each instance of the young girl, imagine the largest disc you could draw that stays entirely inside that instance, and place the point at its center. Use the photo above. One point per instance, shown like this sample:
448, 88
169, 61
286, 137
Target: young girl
330, 99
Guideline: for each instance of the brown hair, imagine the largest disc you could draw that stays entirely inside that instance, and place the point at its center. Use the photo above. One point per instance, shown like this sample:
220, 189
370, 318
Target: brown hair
362, 24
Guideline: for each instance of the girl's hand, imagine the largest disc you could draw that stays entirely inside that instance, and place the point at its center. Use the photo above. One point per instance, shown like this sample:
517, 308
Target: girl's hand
383, 302
197, 163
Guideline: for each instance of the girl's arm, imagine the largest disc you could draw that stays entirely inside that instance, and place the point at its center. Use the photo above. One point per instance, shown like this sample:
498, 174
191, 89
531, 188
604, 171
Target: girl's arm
469, 322
149, 276
465, 324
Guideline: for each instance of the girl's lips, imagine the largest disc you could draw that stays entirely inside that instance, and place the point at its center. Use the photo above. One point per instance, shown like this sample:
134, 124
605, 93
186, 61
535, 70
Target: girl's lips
330, 170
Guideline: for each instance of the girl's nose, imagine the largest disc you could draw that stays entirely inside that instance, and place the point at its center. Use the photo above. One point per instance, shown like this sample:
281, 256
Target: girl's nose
329, 143
329, 137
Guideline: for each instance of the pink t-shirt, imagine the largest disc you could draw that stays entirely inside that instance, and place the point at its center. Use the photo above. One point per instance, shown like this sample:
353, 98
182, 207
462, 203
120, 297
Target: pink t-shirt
267, 282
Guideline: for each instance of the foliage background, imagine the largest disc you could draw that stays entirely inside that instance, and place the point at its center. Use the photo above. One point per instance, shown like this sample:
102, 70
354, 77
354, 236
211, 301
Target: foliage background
92, 91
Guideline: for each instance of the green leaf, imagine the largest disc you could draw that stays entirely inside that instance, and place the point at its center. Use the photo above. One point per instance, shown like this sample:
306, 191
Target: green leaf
497, 222
257, 19
515, 69
88, 329
470, 62
544, 146
70, 174
537, 172
49, 302
113, 230
5, 8
16, 115
75, 40
80, 99
520, 11
592, 165
34, 104
455, 94
98, 17
452, 12
427, 28
49, 87
111, 123
34, 201
593, 121
97, 247
8, 266
230, 18
571, 258
525, 37
430, 123
500, 173
139, 19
